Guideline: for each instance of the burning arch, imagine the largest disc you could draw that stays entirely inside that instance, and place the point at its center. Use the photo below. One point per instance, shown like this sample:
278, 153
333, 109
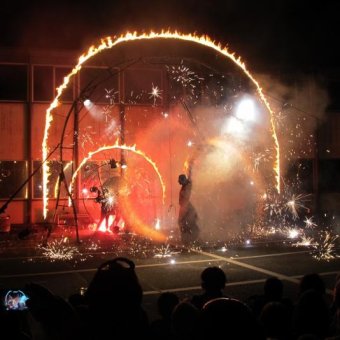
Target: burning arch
110, 42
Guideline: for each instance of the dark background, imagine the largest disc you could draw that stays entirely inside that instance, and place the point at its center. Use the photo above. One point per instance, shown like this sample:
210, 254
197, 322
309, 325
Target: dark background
293, 35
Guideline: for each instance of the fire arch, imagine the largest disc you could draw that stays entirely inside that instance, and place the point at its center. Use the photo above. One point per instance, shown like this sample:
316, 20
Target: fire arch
110, 42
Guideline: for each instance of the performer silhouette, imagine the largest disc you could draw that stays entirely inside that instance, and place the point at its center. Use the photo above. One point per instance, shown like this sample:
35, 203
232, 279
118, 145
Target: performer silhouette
107, 207
187, 217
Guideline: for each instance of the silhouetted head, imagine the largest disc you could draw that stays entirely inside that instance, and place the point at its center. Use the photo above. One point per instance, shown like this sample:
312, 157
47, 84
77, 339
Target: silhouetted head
273, 289
166, 303
276, 319
311, 314
312, 281
185, 319
213, 278
115, 284
182, 179
229, 317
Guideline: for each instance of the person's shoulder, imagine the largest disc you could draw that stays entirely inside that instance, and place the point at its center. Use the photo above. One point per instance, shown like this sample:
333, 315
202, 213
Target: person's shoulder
197, 299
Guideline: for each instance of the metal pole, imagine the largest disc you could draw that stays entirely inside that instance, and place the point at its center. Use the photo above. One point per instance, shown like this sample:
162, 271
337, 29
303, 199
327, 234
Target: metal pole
316, 170
122, 133
29, 144
76, 161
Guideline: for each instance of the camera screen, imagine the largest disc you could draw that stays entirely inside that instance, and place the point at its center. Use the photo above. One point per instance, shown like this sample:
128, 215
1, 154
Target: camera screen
15, 300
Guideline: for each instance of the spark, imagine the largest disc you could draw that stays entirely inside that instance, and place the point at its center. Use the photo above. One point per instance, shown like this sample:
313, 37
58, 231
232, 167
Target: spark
261, 231
164, 251
109, 202
59, 250
155, 93
86, 137
183, 75
107, 112
260, 157
306, 242
326, 247
296, 203
110, 42
309, 223
280, 119
93, 246
110, 94
292, 233
158, 224
274, 207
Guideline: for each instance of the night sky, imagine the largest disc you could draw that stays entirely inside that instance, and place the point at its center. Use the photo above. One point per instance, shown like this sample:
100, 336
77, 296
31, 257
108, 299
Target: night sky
292, 34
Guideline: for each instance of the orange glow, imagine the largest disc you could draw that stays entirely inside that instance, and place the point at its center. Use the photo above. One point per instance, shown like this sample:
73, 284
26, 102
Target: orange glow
106, 228
121, 147
137, 225
110, 42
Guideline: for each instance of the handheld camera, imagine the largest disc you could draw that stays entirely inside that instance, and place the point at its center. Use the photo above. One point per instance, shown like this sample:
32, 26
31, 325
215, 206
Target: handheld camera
15, 300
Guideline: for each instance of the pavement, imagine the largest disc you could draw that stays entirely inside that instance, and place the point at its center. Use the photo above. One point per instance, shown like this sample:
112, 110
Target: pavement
66, 266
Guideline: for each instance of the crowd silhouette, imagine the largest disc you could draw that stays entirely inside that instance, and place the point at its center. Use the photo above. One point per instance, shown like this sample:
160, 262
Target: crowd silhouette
112, 308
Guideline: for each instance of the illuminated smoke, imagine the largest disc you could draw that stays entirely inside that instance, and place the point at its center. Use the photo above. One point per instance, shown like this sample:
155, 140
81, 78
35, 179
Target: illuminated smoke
110, 42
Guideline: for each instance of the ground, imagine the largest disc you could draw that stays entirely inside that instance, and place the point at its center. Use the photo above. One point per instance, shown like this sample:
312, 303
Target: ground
65, 267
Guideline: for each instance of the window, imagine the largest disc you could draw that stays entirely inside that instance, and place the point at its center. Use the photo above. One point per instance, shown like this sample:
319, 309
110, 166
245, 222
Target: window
334, 95
329, 175
12, 175
43, 83
53, 179
100, 85
13, 82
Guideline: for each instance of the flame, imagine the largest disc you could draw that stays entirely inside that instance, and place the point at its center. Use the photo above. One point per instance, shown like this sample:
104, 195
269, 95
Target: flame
121, 147
112, 222
106, 228
109, 42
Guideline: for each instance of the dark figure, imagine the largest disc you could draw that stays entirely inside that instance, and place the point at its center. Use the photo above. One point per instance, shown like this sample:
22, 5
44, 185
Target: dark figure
114, 298
213, 280
51, 316
108, 206
273, 292
335, 310
312, 281
162, 327
187, 217
185, 320
230, 318
311, 315
275, 319
105, 207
